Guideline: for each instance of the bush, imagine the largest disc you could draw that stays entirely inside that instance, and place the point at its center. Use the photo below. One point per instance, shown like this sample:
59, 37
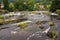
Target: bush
23, 25
6, 4
11, 7
3, 11
20, 8
1, 17
51, 23
52, 34
58, 12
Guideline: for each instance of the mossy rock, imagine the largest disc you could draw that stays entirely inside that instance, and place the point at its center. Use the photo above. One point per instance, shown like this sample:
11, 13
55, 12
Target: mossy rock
47, 13
3, 11
11, 15
52, 34
1, 17
38, 22
2, 22
51, 23
41, 27
23, 25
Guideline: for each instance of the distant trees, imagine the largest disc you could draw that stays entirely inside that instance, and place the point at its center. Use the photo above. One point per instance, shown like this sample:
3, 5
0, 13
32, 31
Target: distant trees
30, 4
19, 5
11, 7
36, 6
24, 5
55, 5
6, 4
0, 4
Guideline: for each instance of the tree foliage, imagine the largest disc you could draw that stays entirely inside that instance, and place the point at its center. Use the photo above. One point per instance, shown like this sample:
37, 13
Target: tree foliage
19, 4
55, 4
11, 7
30, 4
6, 4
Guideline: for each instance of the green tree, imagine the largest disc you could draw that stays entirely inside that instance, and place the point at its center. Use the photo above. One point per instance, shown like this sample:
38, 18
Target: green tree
19, 4
55, 4
11, 7
6, 4
0, 4
36, 6
30, 4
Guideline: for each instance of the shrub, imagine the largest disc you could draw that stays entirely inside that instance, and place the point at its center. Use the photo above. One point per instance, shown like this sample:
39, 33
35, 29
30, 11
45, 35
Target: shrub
23, 25
51, 23
11, 7
20, 8
58, 12
6, 4
19, 5
52, 34
1, 17
3, 11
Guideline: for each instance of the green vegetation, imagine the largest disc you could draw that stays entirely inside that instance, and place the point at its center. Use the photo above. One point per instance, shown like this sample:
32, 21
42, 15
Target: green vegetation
51, 23
34, 12
11, 7
30, 4
55, 4
22, 5
19, 5
47, 13
53, 34
37, 6
6, 4
3, 11
13, 21
2, 21
23, 25
58, 12
1, 17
